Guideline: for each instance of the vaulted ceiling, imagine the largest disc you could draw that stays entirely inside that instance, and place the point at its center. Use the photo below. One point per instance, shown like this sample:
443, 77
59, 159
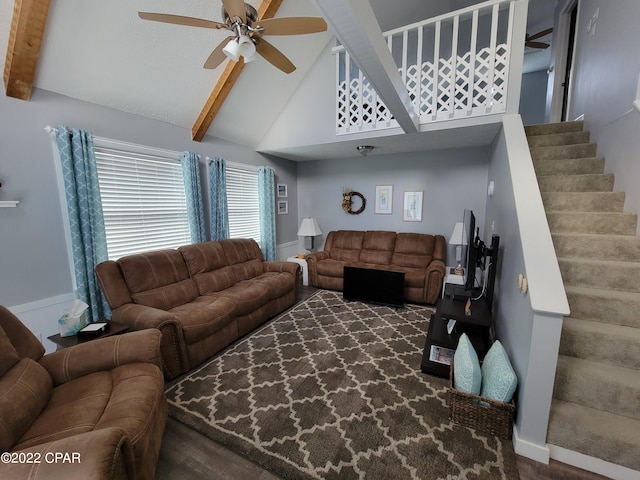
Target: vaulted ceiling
103, 53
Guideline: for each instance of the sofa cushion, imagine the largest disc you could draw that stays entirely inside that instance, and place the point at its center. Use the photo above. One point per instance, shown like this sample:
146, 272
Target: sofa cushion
331, 268
25, 342
158, 279
247, 296
125, 397
8, 355
276, 283
345, 245
244, 256
377, 247
413, 250
24, 391
204, 316
207, 265
413, 277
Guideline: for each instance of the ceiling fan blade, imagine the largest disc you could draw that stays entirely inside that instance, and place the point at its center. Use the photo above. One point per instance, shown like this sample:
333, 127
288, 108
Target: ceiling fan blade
274, 56
217, 56
541, 34
536, 45
292, 25
181, 20
235, 8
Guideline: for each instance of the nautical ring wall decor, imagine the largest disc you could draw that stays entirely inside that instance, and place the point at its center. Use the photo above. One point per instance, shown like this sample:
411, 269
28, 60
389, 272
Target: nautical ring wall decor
347, 202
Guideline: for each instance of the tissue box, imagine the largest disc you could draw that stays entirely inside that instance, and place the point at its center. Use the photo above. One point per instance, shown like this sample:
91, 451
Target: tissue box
69, 325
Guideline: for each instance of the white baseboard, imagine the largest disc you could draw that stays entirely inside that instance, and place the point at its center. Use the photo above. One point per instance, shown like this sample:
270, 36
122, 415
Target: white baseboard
592, 464
41, 317
539, 453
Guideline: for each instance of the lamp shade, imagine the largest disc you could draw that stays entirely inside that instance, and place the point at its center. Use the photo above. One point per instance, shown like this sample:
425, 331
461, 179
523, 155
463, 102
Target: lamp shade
246, 48
458, 236
309, 228
232, 50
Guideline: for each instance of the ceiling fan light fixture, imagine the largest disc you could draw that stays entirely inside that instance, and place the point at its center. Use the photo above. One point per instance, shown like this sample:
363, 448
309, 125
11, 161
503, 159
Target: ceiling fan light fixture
232, 50
246, 47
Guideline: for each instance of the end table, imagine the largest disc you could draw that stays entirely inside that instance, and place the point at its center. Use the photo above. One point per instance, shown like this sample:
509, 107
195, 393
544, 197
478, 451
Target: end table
115, 328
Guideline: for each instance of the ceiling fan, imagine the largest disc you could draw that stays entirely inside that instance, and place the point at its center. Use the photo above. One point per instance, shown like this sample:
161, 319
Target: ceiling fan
529, 40
241, 19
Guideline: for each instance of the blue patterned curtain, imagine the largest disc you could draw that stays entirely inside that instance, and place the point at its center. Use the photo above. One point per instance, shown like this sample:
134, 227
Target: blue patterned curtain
195, 211
88, 238
219, 217
267, 201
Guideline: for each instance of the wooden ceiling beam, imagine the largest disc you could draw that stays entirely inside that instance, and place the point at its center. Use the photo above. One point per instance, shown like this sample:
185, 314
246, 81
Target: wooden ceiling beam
25, 39
227, 80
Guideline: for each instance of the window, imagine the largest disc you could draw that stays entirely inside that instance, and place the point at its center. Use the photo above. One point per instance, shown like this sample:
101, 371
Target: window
242, 201
143, 198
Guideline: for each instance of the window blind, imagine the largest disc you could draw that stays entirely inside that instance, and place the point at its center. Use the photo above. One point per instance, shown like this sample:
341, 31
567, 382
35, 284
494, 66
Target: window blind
143, 201
242, 202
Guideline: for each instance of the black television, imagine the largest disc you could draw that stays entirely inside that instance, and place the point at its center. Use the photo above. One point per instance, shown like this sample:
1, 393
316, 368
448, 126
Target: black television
474, 252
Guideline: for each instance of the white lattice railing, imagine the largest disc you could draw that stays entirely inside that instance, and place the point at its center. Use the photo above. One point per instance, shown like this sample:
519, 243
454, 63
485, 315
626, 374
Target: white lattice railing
454, 66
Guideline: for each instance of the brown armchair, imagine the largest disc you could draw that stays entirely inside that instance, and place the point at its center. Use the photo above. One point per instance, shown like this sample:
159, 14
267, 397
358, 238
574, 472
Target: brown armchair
93, 411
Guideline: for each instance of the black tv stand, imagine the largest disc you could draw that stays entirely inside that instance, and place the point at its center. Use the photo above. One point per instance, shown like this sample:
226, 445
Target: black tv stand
442, 337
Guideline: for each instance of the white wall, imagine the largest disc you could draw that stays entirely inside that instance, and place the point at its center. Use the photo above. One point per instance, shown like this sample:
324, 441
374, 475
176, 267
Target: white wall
533, 97
452, 180
604, 85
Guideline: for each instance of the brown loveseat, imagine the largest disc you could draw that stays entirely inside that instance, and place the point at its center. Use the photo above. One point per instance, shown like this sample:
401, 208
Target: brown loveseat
201, 296
96, 410
420, 256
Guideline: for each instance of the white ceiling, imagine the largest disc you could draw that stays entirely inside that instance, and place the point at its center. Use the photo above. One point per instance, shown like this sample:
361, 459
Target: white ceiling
102, 53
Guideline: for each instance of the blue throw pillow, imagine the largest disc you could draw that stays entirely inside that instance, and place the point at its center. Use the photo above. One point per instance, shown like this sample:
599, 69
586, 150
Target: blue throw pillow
467, 376
499, 380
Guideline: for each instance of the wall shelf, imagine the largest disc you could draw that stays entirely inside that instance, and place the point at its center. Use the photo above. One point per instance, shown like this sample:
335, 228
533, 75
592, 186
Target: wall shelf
9, 203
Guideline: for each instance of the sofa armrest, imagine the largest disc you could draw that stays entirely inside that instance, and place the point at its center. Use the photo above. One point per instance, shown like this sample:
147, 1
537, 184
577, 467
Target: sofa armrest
282, 266
103, 354
433, 281
312, 265
100, 454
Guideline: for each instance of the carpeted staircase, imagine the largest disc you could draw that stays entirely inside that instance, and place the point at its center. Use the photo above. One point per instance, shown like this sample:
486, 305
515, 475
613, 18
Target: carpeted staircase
596, 406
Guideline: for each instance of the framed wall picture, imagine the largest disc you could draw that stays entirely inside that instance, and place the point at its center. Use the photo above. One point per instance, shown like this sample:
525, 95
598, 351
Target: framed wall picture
282, 190
384, 199
412, 209
283, 207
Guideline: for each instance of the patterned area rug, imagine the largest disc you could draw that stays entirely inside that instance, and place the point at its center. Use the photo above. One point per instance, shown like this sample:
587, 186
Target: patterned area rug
333, 390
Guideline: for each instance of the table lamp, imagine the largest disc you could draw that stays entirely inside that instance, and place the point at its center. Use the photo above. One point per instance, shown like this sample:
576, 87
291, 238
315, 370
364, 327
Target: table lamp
309, 228
458, 239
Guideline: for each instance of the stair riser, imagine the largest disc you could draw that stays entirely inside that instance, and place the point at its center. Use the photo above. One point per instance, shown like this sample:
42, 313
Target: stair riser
623, 248
623, 277
583, 202
564, 151
617, 394
576, 183
614, 346
594, 223
552, 128
570, 166
570, 138
605, 308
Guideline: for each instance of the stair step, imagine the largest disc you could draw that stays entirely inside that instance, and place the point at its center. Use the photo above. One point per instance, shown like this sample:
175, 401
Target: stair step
551, 128
617, 387
598, 247
552, 139
607, 275
610, 437
569, 166
576, 183
584, 201
602, 342
587, 222
607, 306
556, 152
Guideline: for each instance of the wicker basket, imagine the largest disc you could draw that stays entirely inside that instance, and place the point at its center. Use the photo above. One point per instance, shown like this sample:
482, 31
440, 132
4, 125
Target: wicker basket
483, 414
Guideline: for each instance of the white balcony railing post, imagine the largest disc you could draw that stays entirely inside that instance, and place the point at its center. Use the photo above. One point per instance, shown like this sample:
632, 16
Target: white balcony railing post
453, 84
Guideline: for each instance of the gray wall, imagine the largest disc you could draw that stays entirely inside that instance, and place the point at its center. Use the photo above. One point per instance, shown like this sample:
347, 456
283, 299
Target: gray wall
452, 180
604, 83
33, 262
533, 97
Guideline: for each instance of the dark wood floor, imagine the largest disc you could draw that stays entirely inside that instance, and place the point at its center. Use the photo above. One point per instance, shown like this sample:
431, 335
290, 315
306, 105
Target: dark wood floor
188, 455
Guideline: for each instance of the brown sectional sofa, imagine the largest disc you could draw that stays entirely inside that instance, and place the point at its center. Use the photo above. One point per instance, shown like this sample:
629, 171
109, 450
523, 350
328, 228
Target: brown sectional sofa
420, 256
202, 296
101, 402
